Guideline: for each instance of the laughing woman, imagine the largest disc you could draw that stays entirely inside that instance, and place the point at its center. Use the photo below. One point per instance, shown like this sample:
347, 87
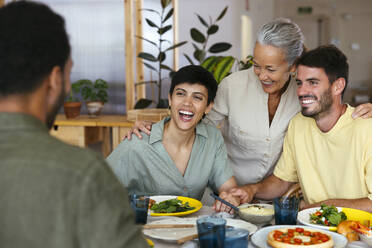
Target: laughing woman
182, 155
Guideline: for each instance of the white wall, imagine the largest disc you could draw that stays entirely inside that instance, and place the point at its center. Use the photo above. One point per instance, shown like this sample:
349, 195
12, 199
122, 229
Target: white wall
349, 28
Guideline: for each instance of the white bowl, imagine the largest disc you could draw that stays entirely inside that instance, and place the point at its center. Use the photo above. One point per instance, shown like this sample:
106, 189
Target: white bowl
366, 238
256, 218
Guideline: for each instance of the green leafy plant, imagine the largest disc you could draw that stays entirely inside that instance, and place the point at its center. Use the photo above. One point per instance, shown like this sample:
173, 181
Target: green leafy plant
219, 66
93, 92
155, 61
201, 40
75, 90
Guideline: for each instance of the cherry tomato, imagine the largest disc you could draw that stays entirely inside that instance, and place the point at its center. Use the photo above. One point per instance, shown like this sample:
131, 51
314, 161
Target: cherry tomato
277, 235
291, 230
297, 241
279, 232
324, 239
299, 229
307, 233
314, 240
307, 243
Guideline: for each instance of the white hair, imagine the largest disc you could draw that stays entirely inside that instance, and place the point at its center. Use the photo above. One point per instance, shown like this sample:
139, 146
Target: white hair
285, 35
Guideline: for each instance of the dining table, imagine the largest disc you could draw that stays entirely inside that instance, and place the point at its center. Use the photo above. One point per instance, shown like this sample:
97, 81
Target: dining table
207, 210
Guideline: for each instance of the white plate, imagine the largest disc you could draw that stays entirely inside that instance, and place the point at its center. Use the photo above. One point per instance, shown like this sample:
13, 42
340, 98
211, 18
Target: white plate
259, 239
303, 218
175, 234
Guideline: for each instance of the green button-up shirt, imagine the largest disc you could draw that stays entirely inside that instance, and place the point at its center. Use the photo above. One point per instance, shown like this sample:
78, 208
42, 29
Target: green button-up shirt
145, 167
58, 196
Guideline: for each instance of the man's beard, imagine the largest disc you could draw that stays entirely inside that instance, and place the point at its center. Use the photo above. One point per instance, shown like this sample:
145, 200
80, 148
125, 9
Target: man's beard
51, 116
325, 104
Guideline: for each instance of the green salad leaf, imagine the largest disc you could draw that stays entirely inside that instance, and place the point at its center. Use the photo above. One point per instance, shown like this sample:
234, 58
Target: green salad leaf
171, 206
327, 216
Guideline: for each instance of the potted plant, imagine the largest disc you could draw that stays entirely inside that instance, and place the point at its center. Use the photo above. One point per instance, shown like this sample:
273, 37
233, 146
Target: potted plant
94, 94
155, 61
72, 105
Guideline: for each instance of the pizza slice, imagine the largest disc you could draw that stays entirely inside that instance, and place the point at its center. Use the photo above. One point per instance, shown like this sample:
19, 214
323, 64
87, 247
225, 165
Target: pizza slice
298, 236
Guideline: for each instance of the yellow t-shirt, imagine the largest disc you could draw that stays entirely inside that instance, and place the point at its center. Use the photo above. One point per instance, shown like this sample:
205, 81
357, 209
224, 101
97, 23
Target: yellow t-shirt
332, 165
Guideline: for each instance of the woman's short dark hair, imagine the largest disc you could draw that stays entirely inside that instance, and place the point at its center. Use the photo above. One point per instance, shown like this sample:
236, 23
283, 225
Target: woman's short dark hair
194, 74
33, 40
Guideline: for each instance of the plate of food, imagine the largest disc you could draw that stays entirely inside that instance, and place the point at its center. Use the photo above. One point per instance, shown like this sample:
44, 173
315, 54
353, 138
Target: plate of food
174, 234
328, 217
169, 205
292, 236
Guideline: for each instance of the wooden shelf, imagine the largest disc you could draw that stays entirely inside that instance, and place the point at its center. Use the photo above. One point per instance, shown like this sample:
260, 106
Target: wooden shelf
83, 130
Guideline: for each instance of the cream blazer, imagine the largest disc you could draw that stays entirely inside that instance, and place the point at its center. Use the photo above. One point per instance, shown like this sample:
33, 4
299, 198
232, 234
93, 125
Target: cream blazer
241, 108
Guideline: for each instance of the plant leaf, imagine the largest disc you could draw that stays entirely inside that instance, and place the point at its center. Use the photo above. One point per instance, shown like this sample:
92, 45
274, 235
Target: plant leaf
166, 67
169, 14
102, 95
164, 29
162, 40
223, 68
202, 21
165, 3
100, 84
222, 14
210, 63
161, 56
197, 36
176, 45
151, 24
195, 46
142, 103
212, 29
150, 66
147, 56
219, 47
163, 103
188, 59
199, 55
149, 41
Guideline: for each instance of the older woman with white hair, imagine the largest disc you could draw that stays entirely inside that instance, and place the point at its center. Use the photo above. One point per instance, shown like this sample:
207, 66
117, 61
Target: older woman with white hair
253, 107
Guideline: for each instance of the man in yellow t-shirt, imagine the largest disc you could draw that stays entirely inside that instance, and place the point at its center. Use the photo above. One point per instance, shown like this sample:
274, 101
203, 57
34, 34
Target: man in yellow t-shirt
325, 150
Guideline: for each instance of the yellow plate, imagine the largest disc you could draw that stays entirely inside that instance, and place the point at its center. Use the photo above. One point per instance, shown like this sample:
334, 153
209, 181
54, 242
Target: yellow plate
192, 203
357, 215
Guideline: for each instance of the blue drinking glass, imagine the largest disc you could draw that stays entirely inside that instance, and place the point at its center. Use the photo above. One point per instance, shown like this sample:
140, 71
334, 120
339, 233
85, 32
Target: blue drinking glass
286, 209
211, 232
236, 238
140, 205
